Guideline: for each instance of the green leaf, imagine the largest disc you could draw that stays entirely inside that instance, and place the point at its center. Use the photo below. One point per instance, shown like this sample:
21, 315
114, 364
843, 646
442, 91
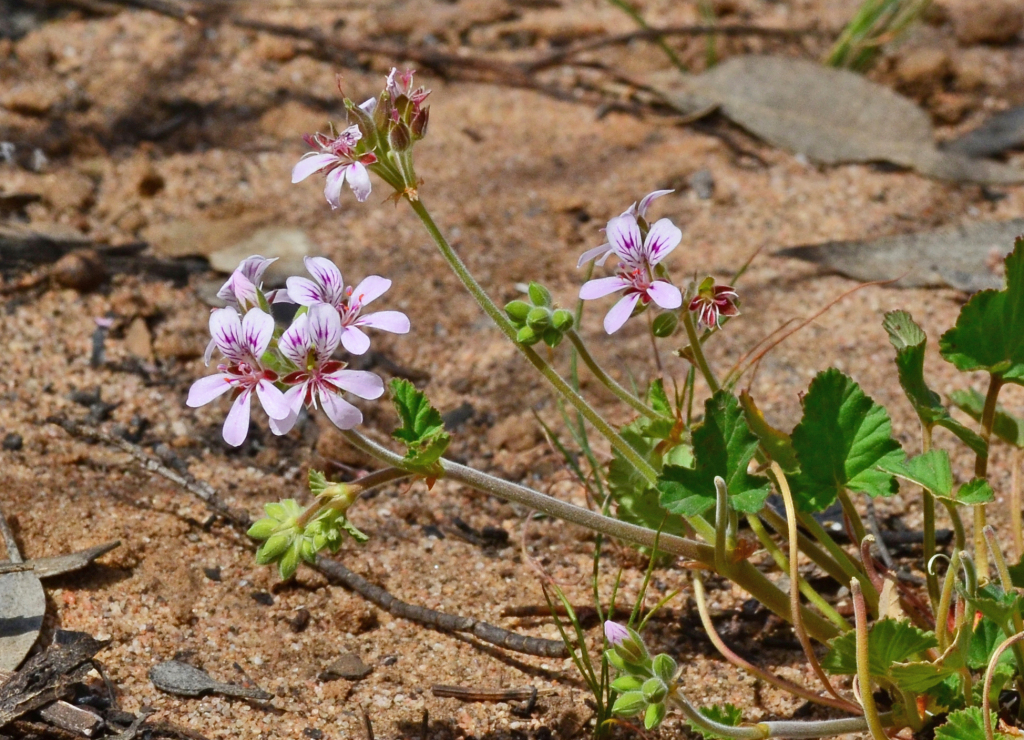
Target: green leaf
889, 642
841, 440
724, 714
996, 604
353, 531
918, 677
654, 715
629, 704
986, 638
1004, 672
989, 332
930, 470
776, 443
317, 482
723, 445
1017, 573
973, 492
966, 724
657, 399
422, 428
1006, 426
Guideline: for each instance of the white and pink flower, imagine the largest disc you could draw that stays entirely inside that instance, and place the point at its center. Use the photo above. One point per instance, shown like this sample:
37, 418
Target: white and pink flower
241, 290
319, 381
242, 342
603, 252
337, 157
328, 286
712, 302
637, 259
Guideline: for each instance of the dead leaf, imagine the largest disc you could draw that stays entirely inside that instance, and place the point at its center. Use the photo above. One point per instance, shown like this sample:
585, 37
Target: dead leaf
831, 116
961, 257
997, 134
22, 607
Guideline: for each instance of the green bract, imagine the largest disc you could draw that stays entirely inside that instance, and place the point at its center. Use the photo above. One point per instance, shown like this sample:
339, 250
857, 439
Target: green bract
422, 428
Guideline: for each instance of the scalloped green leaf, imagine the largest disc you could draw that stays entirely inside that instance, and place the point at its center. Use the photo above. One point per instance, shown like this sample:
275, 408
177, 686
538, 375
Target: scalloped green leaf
889, 641
723, 446
985, 639
931, 470
422, 428
974, 492
966, 724
723, 714
1005, 426
989, 332
842, 439
918, 677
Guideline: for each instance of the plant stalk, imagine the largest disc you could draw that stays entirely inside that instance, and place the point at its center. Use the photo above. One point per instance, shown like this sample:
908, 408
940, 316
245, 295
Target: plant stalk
698, 351
928, 504
867, 698
610, 383
988, 416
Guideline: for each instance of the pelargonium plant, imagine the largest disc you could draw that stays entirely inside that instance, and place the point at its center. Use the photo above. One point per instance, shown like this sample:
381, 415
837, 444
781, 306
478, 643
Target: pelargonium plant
932, 657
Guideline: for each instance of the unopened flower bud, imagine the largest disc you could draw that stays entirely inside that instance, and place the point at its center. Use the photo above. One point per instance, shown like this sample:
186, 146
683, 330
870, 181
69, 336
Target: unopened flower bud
419, 123
615, 633
400, 137
539, 318
654, 715
665, 325
562, 320
632, 649
622, 684
341, 496
629, 704
517, 311
552, 337
654, 690
664, 667
382, 113
527, 336
289, 562
274, 547
540, 295
364, 120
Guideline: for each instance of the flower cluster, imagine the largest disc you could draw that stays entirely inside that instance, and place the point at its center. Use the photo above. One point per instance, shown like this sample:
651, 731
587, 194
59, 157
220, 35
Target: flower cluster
295, 368
645, 684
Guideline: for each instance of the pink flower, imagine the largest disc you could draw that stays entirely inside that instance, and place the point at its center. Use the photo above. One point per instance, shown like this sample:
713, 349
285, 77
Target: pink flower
309, 343
615, 633
638, 258
337, 157
401, 85
241, 290
327, 286
242, 342
602, 252
712, 302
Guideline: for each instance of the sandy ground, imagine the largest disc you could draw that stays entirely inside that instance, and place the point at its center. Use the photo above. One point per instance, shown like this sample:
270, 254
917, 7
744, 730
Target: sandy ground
522, 184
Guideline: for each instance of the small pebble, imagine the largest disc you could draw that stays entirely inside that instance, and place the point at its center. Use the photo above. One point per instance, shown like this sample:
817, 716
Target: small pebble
262, 597
82, 270
312, 733
349, 666
703, 184
300, 621
13, 442
212, 573
390, 660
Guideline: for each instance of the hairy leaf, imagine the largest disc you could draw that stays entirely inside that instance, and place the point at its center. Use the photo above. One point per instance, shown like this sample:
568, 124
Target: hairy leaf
840, 442
986, 638
974, 492
919, 677
723, 445
930, 470
422, 428
989, 332
889, 641
966, 724
723, 714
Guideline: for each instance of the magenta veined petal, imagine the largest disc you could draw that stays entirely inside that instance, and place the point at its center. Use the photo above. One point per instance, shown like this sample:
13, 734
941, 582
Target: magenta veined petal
206, 389
354, 340
272, 400
304, 291
359, 382
236, 426
665, 294
226, 329
601, 287
620, 312
328, 277
324, 329
613, 631
359, 181
395, 322
370, 288
310, 164
601, 252
254, 266
663, 237
293, 398
208, 354
332, 188
341, 413
295, 342
257, 331
646, 201
625, 238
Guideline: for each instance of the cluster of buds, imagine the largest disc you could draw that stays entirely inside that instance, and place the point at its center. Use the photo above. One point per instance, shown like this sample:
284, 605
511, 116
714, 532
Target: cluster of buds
645, 683
379, 139
289, 538
538, 320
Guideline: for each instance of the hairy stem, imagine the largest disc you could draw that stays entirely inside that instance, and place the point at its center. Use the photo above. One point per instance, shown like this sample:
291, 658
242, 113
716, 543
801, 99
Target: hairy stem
610, 383
807, 546
354, 489
945, 600
867, 698
1016, 522
928, 504
698, 351
986, 705
988, 416
852, 571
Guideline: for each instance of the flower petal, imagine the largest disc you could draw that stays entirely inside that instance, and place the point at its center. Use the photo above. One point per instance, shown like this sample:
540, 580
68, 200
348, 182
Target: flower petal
338, 410
601, 287
310, 163
665, 294
359, 181
393, 321
295, 342
332, 188
354, 341
663, 237
254, 266
370, 288
328, 277
621, 311
236, 426
208, 354
206, 389
272, 400
293, 397
369, 105
257, 331
594, 253
324, 329
646, 201
226, 329
304, 291
625, 238
361, 383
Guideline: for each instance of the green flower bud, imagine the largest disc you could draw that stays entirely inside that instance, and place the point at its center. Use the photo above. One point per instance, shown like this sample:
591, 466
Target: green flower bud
552, 337
277, 510
654, 715
632, 649
539, 318
665, 325
615, 660
309, 548
382, 113
654, 690
562, 320
262, 529
517, 311
540, 295
289, 562
622, 684
664, 667
274, 547
527, 336
629, 704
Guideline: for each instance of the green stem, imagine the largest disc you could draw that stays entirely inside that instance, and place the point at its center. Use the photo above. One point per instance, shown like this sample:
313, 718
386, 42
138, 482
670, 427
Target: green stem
959, 533
986, 708
852, 571
928, 504
354, 490
867, 698
1007, 583
699, 358
859, 532
988, 416
945, 600
556, 380
818, 556
609, 382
